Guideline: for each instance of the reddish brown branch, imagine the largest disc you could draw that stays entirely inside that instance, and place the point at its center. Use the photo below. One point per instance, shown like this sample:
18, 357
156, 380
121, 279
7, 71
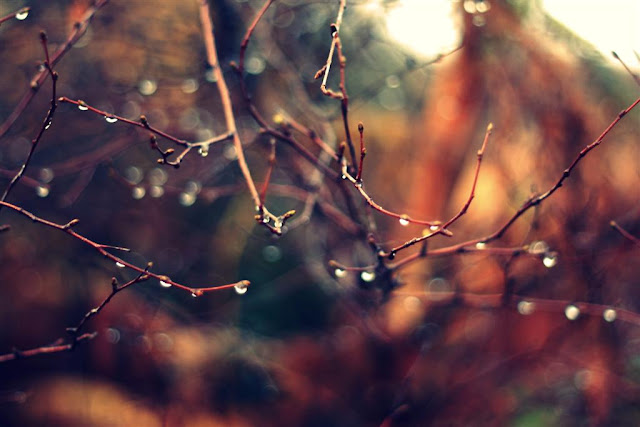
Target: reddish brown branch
536, 200
633, 75
624, 233
102, 250
57, 347
19, 14
45, 124
78, 31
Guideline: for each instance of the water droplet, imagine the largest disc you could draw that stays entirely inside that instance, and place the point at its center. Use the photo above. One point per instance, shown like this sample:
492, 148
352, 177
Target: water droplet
193, 294
368, 276
112, 335
277, 223
210, 76
344, 176
119, 264
392, 81
156, 191
241, 288
229, 152
483, 6
478, 20
550, 259
22, 14
272, 253
82, 106
138, 193
189, 86
538, 247
572, 312
157, 176
339, 272
110, 119
255, 65
133, 174
404, 220
265, 219
609, 315
165, 284
481, 245
526, 308
434, 227
42, 191
46, 175
48, 125
147, 87
192, 187
204, 150
469, 6
187, 198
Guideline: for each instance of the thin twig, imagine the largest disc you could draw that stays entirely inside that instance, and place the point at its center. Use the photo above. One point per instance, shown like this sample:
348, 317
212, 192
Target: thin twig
102, 249
45, 124
624, 233
23, 12
78, 31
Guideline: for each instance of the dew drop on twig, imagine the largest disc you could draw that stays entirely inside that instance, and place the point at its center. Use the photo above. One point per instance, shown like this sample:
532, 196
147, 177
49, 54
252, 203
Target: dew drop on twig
119, 264
110, 119
22, 14
550, 259
538, 247
481, 245
165, 284
526, 308
404, 220
82, 106
339, 272
368, 276
241, 288
572, 312
609, 315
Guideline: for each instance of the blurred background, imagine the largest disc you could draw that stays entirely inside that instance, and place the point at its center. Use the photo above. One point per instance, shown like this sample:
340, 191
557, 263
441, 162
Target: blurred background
308, 345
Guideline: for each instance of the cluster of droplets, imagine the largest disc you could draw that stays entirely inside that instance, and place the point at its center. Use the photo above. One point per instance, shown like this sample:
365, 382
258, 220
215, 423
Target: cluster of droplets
477, 8
157, 177
571, 311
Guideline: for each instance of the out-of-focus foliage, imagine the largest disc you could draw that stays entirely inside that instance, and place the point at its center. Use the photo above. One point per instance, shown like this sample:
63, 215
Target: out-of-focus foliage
303, 347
